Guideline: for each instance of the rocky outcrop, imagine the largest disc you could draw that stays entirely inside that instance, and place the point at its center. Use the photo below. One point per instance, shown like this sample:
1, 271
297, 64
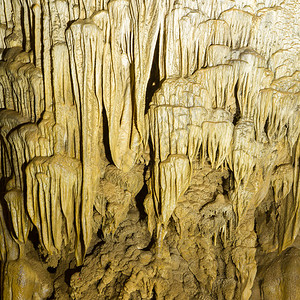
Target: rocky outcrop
149, 149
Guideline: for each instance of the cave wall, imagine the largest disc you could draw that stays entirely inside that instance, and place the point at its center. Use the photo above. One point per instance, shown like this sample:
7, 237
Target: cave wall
149, 149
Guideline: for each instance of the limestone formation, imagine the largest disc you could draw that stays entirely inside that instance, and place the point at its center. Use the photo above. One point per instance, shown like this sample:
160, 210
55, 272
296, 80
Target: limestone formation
149, 149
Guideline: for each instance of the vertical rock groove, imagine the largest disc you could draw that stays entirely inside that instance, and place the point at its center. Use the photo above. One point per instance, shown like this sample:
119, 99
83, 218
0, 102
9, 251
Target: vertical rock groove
196, 102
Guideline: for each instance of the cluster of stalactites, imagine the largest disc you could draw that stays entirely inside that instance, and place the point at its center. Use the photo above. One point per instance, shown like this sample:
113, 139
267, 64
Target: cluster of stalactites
194, 117
232, 112
224, 97
54, 200
68, 78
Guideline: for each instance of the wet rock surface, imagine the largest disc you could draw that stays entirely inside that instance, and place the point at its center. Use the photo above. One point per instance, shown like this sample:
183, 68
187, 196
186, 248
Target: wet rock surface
149, 149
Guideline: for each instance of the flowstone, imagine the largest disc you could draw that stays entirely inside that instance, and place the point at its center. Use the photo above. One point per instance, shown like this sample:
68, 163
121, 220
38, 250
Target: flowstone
149, 149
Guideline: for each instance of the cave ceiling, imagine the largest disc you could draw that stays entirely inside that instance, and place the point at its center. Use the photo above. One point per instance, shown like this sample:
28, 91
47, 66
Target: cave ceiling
149, 149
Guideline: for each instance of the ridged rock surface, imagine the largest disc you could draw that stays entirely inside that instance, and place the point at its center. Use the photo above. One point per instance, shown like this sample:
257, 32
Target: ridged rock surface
149, 149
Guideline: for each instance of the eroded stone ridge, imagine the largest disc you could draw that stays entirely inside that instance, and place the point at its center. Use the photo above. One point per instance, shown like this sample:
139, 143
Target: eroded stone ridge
149, 149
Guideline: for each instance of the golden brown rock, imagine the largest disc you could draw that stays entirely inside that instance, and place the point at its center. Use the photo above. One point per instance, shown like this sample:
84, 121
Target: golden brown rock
25, 279
149, 149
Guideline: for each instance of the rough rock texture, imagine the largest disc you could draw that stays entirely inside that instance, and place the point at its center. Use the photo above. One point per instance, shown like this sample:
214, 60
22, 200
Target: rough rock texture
149, 149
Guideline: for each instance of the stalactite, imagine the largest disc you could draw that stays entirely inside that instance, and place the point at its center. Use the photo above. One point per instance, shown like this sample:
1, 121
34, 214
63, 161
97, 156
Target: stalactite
120, 117
171, 180
243, 155
89, 99
149, 149
216, 144
28, 141
240, 23
148, 24
53, 201
9, 120
67, 133
9, 248
16, 205
21, 83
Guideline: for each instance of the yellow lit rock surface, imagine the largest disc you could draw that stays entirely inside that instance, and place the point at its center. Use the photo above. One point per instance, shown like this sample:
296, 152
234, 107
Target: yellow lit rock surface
149, 149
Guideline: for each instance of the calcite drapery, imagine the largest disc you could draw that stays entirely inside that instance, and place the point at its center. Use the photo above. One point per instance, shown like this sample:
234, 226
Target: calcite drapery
53, 200
186, 110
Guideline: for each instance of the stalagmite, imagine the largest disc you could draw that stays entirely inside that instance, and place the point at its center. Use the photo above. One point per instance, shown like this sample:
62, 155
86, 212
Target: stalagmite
26, 279
149, 149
